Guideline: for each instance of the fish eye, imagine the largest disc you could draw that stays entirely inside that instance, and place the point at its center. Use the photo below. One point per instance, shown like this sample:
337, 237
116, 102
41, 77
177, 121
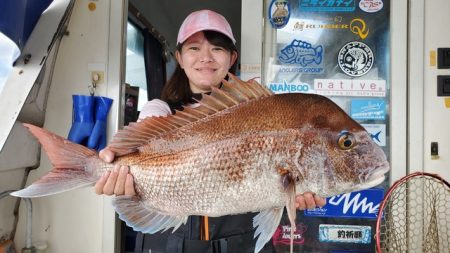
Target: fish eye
346, 140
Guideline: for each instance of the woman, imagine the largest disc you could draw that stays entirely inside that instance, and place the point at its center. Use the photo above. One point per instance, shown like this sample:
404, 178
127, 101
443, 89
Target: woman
206, 52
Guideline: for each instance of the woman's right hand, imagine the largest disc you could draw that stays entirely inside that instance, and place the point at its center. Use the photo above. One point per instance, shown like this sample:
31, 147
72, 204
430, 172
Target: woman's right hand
116, 182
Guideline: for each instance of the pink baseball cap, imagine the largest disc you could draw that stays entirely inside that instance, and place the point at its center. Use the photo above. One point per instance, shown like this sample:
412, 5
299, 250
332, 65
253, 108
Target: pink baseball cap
204, 20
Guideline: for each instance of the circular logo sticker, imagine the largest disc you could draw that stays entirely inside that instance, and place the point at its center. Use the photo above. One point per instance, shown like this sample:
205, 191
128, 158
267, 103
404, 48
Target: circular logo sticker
355, 58
279, 13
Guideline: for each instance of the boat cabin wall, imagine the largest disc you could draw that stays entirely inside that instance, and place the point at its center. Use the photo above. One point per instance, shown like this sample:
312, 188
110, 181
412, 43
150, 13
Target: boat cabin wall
78, 220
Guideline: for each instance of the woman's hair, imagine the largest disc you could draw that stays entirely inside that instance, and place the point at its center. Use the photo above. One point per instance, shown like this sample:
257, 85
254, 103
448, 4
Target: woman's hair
177, 89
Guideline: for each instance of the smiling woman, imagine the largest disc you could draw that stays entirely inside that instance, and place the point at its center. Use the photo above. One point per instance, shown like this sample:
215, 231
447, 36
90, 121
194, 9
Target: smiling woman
205, 63
205, 53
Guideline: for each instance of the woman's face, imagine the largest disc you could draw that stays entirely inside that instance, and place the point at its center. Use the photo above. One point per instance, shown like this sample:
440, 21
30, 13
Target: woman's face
205, 65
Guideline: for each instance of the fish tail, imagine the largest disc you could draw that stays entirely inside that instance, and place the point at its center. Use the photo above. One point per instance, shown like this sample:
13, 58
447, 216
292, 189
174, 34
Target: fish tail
70, 165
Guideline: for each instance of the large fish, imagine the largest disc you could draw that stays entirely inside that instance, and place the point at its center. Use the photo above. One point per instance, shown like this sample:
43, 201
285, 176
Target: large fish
242, 149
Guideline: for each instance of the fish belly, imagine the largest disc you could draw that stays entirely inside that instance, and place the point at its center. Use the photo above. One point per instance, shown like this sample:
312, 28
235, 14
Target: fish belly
226, 177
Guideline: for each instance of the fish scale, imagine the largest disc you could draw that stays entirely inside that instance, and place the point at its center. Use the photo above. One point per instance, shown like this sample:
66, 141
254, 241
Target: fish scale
208, 177
240, 149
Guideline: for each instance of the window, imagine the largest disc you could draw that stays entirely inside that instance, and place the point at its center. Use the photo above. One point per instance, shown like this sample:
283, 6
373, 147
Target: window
135, 66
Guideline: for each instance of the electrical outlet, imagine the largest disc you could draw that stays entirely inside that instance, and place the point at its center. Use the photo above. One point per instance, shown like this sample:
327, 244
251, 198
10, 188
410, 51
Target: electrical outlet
443, 86
443, 58
97, 77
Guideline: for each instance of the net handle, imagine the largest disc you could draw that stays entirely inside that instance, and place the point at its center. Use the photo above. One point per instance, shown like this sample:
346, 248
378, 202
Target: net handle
388, 194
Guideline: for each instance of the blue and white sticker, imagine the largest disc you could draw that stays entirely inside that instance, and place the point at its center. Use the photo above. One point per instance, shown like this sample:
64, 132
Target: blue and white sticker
360, 204
355, 58
371, 5
377, 132
345, 233
287, 70
327, 6
304, 55
286, 87
279, 13
368, 109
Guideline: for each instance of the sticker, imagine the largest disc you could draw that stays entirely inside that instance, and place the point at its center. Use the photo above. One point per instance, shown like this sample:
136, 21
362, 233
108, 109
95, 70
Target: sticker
355, 58
364, 109
358, 27
299, 26
282, 235
302, 53
279, 13
309, 70
377, 132
360, 204
432, 58
285, 87
350, 87
327, 5
345, 233
371, 5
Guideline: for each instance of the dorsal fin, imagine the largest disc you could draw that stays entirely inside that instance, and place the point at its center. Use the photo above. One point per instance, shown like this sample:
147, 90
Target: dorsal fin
136, 135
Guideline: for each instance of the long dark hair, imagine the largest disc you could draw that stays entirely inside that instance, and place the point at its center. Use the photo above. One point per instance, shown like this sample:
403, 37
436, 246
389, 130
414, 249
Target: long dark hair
177, 89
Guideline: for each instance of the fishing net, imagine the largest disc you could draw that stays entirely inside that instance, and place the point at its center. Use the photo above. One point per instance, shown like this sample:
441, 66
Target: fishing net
415, 216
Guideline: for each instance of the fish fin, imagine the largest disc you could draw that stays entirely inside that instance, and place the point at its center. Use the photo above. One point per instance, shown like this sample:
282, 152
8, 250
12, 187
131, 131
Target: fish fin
142, 217
136, 135
290, 206
266, 222
69, 162
56, 181
288, 183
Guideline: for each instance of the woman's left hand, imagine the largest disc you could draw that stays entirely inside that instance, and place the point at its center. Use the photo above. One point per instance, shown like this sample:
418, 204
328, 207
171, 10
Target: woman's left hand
309, 200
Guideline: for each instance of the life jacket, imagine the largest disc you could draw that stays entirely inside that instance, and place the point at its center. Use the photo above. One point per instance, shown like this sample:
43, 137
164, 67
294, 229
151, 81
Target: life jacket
228, 234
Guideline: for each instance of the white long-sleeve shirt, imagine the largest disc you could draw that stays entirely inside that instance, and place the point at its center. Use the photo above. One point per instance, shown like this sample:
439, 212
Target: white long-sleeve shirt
155, 107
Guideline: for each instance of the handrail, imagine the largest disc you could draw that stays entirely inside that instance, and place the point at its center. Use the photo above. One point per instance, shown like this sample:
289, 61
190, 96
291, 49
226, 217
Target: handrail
29, 221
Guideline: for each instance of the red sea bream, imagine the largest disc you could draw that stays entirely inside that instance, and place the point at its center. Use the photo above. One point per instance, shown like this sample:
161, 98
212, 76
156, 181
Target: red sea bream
241, 149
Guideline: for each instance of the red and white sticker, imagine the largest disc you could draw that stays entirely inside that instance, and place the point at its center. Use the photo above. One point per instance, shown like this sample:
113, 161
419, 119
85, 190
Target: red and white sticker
371, 5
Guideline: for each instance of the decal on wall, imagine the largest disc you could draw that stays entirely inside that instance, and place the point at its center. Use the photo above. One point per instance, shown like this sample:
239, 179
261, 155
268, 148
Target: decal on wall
302, 25
291, 70
327, 5
344, 233
279, 13
371, 5
350, 87
301, 53
282, 235
285, 87
358, 27
367, 109
355, 58
360, 204
377, 132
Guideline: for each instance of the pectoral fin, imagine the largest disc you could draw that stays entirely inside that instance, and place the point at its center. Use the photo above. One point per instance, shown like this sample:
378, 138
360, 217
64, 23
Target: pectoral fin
289, 187
143, 218
266, 222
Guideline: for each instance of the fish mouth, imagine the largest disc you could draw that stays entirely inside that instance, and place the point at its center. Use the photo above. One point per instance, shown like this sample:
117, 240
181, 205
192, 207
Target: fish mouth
375, 181
376, 176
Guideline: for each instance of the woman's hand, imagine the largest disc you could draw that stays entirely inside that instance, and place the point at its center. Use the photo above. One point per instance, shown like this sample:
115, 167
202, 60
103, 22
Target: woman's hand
118, 181
309, 200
